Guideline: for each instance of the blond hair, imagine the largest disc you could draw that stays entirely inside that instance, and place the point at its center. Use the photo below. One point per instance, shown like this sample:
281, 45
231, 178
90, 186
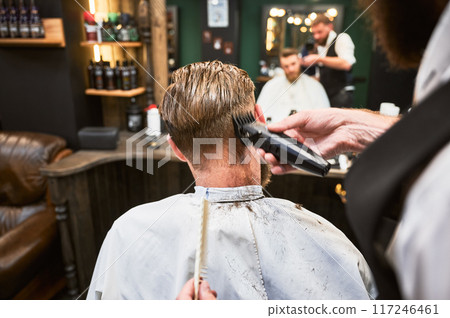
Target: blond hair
201, 100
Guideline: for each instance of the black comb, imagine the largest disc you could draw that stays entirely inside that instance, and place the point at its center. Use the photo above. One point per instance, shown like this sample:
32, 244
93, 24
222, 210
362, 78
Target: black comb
283, 147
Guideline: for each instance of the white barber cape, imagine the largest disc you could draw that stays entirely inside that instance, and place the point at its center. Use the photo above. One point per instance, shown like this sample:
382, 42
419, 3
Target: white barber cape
258, 248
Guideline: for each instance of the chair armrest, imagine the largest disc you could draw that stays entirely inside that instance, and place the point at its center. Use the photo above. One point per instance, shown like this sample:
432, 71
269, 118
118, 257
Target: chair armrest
22, 250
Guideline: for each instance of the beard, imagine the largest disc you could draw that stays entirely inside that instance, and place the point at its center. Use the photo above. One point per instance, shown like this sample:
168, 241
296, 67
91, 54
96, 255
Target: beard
402, 39
292, 77
266, 175
322, 42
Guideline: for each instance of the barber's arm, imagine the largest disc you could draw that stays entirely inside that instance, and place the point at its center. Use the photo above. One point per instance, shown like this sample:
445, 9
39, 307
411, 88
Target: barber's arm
345, 50
328, 61
330, 131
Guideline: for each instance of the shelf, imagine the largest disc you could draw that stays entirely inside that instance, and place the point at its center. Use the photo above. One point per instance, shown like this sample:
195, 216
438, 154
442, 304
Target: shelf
115, 93
120, 44
54, 36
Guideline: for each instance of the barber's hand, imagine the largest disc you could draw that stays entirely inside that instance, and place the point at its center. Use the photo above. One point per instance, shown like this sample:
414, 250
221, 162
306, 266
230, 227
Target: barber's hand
330, 131
204, 292
310, 59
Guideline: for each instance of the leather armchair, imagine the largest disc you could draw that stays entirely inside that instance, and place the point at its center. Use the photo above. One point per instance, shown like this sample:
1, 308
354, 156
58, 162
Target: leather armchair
30, 256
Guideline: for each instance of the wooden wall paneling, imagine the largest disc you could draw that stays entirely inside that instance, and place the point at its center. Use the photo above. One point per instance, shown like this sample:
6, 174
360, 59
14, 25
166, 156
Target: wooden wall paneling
82, 227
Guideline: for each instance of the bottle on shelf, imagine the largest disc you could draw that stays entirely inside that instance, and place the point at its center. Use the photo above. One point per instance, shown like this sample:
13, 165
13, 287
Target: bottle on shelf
98, 76
123, 34
4, 32
153, 121
133, 31
108, 32
144, 19
109, 77
133, 75
12, 22
135, 118
113, 18
90, 27
24, 23
118, 75
91, 74
126, 76
36, 26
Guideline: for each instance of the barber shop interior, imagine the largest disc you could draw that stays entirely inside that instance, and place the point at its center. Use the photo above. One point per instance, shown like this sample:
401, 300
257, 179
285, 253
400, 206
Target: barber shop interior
302, 146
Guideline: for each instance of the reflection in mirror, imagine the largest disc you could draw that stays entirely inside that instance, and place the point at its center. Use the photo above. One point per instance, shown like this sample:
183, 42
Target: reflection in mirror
290, 26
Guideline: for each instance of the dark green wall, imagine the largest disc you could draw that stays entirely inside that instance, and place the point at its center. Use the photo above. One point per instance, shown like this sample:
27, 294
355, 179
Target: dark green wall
189, 28
190, 36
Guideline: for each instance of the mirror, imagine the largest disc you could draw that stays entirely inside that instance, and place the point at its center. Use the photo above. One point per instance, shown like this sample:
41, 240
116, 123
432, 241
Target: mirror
289, 26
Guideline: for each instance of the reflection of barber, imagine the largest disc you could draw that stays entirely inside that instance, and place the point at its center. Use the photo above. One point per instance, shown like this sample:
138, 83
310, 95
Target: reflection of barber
335, 60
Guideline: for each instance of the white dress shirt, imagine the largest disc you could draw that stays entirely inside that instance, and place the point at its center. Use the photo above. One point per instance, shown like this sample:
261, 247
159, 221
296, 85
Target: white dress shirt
344, 47
279, 97
257, 248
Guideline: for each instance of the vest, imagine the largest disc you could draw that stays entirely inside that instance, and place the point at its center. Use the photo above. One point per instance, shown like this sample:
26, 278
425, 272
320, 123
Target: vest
334, 80
379, 180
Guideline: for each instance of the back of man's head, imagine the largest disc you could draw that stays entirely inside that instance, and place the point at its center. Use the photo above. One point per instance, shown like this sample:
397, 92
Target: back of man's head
201, 100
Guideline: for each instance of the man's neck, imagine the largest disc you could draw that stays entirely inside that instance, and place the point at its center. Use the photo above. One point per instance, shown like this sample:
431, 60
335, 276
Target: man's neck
228, 176
331, 36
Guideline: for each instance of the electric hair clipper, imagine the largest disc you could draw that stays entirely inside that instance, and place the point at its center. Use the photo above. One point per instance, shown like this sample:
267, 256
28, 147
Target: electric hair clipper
283, 147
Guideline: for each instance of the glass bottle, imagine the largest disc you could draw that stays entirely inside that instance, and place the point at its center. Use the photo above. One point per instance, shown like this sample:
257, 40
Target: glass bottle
98, 76
4, 32
91, 74
13, 23
133, 76
36, 27
109, 77
126, 76
124, 35
24, 23
133, 31
118, 75
135, 117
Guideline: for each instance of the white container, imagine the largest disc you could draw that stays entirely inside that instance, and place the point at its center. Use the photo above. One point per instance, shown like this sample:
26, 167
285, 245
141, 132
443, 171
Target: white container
153, 121
389, 109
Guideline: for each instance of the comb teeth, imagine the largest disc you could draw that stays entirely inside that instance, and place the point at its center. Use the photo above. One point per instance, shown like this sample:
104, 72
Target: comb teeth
245, 119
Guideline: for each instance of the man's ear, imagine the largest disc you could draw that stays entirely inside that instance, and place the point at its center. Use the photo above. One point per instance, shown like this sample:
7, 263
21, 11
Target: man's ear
175, 149
259, 114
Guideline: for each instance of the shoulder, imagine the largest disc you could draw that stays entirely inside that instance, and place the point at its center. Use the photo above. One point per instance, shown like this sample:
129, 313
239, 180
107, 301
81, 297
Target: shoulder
273, 86
277, 80
306, 79
343, 38
300, 213
144, 216
311, 83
